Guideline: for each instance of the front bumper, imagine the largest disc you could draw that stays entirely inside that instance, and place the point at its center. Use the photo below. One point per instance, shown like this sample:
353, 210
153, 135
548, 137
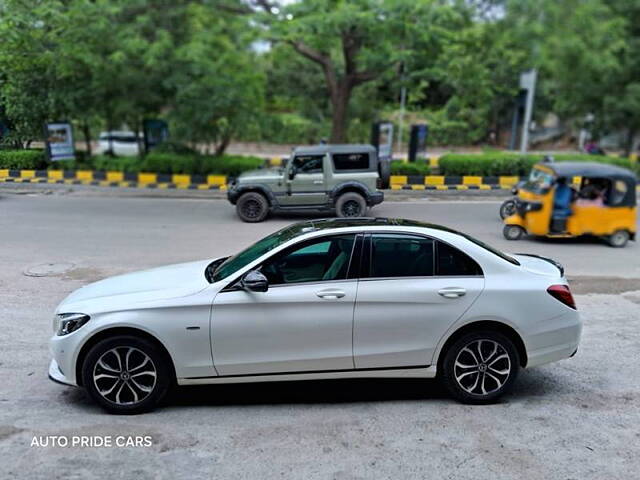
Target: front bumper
232, 195
56, 375
376, 198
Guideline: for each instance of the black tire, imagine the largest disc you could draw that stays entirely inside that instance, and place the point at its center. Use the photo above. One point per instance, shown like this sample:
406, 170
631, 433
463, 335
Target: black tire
384, 170
252, 207
351, 204
507, 208
513, 232
466, 384
101, 360
618, 239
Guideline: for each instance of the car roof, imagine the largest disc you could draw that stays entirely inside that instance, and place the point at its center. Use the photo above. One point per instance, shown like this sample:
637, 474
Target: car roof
588, 169
332, 223
324, 149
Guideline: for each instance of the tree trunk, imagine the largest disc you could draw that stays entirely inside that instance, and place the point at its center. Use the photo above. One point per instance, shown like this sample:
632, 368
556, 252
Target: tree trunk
87, 137
224, 143
339, 111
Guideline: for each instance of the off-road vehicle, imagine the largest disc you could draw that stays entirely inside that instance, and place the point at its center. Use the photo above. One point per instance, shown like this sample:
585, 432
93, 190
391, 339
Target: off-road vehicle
343, 178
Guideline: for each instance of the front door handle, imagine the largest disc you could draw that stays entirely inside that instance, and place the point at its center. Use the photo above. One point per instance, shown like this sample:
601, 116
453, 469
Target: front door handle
318, 182
330, 294
452, 292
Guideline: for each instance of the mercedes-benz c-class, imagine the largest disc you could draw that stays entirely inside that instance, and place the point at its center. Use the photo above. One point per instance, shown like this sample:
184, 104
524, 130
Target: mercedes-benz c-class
321, 299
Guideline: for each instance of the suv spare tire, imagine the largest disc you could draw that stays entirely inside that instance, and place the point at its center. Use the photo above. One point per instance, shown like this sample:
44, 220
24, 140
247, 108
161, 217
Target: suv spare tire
384, 170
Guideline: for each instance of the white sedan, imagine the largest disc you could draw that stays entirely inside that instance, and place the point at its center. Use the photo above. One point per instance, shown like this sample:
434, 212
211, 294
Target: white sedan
335, 298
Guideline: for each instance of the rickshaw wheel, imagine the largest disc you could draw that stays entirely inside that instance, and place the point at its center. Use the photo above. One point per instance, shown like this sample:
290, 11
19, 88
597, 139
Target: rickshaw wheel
513, 232
618, 239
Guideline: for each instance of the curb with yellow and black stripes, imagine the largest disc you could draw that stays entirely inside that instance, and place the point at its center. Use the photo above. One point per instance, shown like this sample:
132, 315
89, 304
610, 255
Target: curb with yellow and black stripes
441, 182
116, 179
219, 182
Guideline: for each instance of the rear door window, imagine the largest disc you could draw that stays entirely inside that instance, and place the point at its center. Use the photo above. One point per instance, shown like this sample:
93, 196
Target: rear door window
453, 262
350, 161
394, 256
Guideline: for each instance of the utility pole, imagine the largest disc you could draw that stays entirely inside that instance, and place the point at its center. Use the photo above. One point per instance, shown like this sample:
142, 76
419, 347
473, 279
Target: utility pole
528, 83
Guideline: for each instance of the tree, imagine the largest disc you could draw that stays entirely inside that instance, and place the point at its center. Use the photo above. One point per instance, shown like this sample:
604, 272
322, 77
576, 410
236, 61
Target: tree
352, 42
218, 90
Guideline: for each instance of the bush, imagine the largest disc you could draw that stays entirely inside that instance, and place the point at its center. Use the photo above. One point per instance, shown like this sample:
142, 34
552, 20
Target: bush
505, 163
399, 167
23, 159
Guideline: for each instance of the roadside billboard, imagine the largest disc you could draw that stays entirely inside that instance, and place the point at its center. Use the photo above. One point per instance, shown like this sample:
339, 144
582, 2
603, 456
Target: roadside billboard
59, 141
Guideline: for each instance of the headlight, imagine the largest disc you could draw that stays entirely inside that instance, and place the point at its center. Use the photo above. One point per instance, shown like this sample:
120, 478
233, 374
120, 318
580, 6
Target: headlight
65, 323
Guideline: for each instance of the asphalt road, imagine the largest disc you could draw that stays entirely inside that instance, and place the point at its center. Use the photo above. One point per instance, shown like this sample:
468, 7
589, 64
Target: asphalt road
575, 419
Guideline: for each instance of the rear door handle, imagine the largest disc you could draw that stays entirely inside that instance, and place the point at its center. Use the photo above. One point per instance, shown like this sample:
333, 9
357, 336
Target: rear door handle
330, 294
318, 182
452, 292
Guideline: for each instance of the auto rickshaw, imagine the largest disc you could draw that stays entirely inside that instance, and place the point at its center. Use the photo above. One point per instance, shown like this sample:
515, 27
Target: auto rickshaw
599, 199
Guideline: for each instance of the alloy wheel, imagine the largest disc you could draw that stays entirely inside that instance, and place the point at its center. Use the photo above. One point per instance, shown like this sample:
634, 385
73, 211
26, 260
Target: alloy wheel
252, 209
351, 208
482, 367
124, 375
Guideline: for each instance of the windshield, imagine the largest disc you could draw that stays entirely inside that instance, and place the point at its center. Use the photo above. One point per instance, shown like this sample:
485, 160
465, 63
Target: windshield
235, 263
538, 180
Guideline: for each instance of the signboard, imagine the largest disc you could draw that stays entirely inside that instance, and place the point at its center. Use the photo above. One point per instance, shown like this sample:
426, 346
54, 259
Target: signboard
156, 131
382, 138
59, 141
417, 140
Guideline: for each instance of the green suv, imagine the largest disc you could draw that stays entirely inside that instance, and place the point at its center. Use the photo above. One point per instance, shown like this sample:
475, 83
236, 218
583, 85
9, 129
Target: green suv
343, 178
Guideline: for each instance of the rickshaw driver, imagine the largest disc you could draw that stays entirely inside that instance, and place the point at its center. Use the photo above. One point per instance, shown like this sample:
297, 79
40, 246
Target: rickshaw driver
561, 205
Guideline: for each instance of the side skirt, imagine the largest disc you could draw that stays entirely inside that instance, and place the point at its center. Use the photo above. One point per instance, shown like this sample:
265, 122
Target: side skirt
421, 372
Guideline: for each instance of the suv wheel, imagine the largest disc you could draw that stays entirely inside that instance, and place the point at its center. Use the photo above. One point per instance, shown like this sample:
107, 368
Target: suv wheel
351, 204
252, 207
480, 367
126, 375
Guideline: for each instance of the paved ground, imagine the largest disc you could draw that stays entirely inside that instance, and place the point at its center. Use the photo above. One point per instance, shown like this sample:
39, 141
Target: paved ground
575, 419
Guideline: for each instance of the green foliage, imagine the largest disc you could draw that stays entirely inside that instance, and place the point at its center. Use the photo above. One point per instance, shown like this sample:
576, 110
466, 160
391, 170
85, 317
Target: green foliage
504, 163
158, 162
22, 159
398, 167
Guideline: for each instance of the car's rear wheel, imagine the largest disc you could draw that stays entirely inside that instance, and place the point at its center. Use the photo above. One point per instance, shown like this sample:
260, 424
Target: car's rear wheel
252, 207
351, 204
618, 239
126, 374
480, 367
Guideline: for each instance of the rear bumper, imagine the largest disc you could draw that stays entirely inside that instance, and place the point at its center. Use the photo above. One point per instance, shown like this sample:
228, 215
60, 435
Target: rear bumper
376, 198
559, 340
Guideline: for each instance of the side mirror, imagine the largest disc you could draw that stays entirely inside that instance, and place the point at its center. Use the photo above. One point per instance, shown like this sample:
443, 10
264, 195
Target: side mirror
255, 281
292, 172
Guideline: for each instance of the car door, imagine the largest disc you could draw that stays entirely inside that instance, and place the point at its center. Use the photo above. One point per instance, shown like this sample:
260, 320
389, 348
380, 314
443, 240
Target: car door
307, 187
413, 289
302, 323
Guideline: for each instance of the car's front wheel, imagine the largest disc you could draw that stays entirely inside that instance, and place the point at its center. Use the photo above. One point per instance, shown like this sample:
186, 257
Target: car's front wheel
480, 367
126, 374
252, 207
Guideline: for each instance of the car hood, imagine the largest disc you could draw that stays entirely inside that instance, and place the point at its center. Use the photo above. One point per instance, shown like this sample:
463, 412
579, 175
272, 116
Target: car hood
261, 175
161, 283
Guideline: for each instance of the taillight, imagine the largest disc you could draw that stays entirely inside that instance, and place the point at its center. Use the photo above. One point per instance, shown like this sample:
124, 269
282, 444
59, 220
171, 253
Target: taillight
563, 294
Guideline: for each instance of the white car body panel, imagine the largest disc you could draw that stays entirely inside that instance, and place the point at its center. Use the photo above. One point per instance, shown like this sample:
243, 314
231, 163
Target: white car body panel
286, 329
288, 332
